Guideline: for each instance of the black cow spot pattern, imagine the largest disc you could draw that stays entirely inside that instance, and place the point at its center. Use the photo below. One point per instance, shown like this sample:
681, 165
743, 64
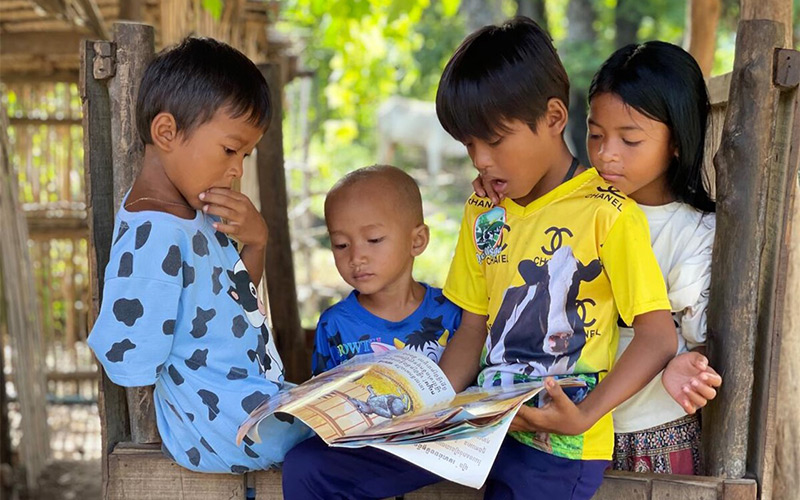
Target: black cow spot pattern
199, 323
440, 299
221, 239
198, 359
216, 286
252, 401
250, 452
194, 456
200, 244
237, 373
172, 262
285, 417
118, 350
125, 265
207, 446
168, 328
123, 228
248, 441
190, 416
239, 326
142, 234
239, 469
159, 368
211, 400
175, 375
174, 410
188, 275
127, 311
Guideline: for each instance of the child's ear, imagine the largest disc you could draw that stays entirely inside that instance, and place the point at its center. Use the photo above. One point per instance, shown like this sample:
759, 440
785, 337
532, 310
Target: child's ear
419, 239
164, 131
556, 116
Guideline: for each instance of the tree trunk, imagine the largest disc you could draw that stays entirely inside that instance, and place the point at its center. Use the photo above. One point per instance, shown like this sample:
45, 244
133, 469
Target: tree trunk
702, 17
627, 18
479, 13
774, 10
581, 38
535, 9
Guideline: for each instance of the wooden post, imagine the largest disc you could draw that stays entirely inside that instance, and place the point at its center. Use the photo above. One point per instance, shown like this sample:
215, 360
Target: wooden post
99, 181
23, 319
748, 232
135, 47
782, 466
279, 267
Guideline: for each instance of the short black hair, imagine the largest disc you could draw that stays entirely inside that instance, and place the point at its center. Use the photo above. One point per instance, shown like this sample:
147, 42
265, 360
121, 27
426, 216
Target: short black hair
500, 73
195, 79
663, 82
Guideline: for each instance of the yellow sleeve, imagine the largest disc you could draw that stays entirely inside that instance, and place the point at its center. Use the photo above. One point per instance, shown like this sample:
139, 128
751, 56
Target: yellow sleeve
466, 284
636, 280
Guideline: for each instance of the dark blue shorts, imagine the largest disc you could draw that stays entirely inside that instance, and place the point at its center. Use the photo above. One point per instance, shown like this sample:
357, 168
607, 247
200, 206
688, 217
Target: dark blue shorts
312, 470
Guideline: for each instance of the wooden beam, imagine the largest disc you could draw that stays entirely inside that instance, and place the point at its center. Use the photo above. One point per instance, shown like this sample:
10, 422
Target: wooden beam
744, 240
10, 76
51, 122
135, 47
94, 19
718, 89
39, 43
281, 287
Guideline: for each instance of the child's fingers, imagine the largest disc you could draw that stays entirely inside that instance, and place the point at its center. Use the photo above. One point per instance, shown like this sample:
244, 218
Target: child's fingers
221, 211
699, 361
711, 378
224, 197
477, 186
704, 390
231, 229
696, 399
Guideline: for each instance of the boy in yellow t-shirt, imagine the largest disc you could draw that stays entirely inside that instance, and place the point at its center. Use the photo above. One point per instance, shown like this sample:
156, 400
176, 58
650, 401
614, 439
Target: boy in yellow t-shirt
542, 279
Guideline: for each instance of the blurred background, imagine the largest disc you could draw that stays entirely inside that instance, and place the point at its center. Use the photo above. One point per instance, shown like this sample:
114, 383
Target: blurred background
359, 89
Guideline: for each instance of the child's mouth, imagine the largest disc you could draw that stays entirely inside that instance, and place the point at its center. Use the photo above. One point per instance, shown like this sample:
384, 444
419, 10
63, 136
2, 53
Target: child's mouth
499, 186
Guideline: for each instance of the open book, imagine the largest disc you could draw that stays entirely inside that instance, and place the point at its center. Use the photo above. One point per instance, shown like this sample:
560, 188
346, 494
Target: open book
402, 403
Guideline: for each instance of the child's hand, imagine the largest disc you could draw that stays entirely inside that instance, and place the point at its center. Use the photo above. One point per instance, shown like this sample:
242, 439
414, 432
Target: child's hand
559, 416
690, 381
486, 190
242, 220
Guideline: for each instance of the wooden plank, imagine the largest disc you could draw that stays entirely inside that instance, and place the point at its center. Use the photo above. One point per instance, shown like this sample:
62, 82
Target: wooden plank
135, 47
668, 489
267, 484
112, 404
628, 485
52, 122
146, 474
279, 267
33, 43
736, 284
39, 75
718, 89
742, 489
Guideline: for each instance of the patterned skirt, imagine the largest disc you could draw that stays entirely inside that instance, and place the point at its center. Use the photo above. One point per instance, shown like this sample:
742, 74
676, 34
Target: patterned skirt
671, 448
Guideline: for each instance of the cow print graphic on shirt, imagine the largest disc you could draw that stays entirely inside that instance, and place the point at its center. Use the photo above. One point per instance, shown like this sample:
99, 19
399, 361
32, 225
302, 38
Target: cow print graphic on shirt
125, 265
200, 244
172, 262
200, 322
142, 234
211, 400
127, 311
198, 359
118, 350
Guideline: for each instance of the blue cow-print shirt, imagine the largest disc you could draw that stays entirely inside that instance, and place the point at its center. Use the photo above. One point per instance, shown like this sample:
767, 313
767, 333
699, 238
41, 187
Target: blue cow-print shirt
347, 329
180, 311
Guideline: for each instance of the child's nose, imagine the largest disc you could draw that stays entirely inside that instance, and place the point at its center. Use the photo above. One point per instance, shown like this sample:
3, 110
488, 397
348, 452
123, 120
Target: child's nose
237, 169
607, 152
481, 158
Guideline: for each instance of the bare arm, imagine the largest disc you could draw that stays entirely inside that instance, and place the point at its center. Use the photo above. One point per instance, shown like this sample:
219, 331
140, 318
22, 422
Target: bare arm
253, 259
460, 360
654, 344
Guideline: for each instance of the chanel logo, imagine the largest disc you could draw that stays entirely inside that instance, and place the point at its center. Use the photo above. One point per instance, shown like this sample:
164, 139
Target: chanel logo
612, 191
581, 310
556, 239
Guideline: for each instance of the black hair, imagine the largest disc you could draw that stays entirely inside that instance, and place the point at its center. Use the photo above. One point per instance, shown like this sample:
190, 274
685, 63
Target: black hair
663, 82
500, 73
196, 78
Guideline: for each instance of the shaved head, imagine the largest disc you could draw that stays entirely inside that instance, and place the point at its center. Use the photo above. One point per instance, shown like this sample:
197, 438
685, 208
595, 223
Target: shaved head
395, 187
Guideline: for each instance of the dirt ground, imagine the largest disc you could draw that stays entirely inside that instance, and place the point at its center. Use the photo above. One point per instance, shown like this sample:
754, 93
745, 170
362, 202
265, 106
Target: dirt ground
69, 480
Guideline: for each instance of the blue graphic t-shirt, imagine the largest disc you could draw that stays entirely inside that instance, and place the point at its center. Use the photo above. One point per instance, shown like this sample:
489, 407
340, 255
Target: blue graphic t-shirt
180, 311
347, 329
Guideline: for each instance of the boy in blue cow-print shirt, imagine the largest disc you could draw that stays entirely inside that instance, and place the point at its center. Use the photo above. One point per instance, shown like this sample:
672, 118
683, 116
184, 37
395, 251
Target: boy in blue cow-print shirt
180, 308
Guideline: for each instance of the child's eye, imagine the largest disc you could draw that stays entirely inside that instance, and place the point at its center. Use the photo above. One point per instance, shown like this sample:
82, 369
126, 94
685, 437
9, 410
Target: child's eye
595, 137
631, 143
496, 142
229, 151
375, 240
340, 246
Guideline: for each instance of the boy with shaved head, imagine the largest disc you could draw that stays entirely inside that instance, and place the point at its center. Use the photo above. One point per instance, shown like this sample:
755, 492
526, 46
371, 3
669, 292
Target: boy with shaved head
374, 218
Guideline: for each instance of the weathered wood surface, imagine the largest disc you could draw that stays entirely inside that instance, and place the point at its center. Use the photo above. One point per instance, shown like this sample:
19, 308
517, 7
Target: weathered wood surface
145, 474
135, 47
736, 280
786, 465
21, 315
279, 267
112, 405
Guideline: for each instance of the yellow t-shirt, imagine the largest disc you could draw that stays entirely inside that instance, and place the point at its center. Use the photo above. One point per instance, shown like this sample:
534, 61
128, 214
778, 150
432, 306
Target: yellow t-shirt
553, 278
